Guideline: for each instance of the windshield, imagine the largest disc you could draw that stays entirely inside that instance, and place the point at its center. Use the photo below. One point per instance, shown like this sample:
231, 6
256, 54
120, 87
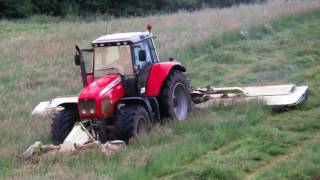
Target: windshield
112, 59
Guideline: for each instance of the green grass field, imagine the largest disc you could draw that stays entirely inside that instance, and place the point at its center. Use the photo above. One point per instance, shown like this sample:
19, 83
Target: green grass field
240, 142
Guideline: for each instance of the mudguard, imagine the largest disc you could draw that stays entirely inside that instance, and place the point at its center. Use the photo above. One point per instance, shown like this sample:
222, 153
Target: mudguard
158, 74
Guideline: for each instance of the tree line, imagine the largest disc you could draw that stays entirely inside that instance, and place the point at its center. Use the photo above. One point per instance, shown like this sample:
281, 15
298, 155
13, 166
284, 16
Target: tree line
24, 8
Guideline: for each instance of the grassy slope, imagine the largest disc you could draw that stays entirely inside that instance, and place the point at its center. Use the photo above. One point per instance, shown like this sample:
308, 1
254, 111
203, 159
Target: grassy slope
220, 143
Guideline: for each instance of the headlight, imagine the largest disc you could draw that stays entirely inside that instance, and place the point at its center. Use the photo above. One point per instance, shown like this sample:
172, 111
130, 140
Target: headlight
87, 106
105, 105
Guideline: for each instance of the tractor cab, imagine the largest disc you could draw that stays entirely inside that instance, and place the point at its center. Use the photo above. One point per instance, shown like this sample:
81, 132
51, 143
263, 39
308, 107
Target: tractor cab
129, 54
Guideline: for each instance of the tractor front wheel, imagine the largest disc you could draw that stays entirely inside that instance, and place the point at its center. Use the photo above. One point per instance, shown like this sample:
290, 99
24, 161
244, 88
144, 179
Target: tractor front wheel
62, 124
132, 121
175, 98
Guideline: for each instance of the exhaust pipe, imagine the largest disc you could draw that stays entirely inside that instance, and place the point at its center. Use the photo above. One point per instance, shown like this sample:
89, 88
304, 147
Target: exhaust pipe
79, 60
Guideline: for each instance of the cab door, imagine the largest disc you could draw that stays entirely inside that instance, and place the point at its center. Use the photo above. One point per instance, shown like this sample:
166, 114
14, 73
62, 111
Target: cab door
143, 61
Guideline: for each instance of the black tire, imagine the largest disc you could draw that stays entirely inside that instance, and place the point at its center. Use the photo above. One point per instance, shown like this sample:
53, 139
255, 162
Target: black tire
171, 106
62, 123
131, 121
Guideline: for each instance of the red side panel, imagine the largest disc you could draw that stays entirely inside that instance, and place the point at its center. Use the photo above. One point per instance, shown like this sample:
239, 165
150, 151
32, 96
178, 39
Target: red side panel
158, 75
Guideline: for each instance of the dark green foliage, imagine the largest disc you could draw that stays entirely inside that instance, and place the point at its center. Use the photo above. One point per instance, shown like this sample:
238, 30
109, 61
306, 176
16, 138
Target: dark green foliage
21, 9
15, 8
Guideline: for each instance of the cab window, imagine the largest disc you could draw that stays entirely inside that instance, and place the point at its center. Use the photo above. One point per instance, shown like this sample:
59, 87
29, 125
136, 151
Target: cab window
143, 45
112, 59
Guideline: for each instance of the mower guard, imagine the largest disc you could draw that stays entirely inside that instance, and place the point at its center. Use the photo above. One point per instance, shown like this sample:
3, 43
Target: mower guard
46, 107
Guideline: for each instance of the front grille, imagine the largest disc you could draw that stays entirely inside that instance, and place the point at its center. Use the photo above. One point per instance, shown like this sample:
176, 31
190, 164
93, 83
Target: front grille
105, 105
87, 106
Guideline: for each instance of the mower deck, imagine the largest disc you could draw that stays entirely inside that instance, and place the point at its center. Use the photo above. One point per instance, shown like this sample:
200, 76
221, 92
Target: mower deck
276, 96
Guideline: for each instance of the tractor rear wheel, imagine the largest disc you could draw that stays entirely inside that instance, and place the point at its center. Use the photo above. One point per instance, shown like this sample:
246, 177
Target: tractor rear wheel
132, 121
175, 98
62, 123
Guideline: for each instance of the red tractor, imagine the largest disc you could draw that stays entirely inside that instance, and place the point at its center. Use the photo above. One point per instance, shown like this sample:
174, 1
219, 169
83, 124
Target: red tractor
126, 92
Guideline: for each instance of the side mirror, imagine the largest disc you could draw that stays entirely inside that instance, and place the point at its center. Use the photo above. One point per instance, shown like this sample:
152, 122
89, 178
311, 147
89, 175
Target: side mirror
142, 55
77, 59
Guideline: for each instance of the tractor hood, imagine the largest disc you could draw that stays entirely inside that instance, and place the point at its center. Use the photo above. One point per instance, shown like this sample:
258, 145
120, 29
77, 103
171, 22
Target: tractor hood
104, 91
100, 87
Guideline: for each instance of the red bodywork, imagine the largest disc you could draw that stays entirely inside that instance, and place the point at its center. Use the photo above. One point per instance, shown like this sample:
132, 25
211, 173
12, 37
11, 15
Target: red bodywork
158, 74
93, 92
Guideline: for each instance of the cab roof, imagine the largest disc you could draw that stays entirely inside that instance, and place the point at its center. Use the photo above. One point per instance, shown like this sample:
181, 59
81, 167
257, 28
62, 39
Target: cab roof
125, 38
